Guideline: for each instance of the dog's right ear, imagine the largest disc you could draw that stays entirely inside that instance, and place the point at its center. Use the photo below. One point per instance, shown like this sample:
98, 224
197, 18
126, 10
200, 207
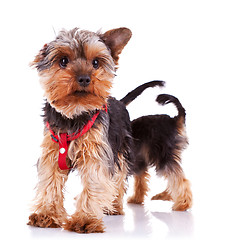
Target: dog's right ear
40, 57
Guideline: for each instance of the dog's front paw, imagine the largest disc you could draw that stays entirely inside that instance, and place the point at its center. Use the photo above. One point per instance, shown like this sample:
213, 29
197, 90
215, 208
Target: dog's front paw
83, 224
42, 220
117, 211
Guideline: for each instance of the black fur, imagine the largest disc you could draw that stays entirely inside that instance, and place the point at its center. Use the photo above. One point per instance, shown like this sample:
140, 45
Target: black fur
137, 91
157, 138
117, 119
165, 99
120, 133
44, 62
59, 122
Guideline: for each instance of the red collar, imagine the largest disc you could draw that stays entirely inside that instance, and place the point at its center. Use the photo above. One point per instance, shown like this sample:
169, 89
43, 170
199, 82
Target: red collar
64, 139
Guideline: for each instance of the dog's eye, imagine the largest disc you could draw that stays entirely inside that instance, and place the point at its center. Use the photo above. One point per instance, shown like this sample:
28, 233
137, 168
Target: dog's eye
63, 62
95, 63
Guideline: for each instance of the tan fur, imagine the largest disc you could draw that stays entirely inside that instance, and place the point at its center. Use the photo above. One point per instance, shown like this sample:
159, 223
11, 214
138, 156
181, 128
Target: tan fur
100, 188
179, 190
141, 182
165, 196
91, 154
140, 188
81, 223
120, 180
60, 85
49, 198
117, 41
179, 187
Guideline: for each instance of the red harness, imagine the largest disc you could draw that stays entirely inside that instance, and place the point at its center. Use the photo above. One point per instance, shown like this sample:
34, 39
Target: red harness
64, 139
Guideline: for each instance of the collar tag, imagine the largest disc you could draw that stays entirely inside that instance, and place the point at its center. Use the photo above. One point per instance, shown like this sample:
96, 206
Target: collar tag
63, 150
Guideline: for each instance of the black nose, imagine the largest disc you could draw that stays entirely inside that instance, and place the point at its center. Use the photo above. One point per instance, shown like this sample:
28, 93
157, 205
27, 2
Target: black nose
84, 80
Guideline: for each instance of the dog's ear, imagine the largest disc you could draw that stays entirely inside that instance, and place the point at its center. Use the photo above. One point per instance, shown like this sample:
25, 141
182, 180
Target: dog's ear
116, 40
39, 57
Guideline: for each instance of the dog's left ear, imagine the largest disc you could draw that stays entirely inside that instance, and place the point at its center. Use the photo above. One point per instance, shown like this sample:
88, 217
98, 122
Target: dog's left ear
116, 40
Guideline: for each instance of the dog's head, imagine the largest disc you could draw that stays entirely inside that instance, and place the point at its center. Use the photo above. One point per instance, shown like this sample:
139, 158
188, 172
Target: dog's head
77, 69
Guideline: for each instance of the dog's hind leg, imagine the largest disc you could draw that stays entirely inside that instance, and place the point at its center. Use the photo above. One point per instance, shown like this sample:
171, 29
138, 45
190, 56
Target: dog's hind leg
165, 196
140, 188
178, 187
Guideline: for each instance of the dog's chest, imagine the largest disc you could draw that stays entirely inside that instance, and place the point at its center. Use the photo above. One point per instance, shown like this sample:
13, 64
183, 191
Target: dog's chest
92, 146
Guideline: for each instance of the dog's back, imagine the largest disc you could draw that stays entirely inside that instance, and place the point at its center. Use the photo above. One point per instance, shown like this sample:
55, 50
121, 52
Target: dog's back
159, 141
159, 136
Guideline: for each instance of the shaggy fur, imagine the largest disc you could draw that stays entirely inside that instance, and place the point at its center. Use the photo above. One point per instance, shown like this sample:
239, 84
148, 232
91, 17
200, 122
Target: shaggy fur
159, 141
76, 72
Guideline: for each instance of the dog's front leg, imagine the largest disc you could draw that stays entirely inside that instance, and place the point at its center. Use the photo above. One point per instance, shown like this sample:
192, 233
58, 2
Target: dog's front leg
98, 194
48, 210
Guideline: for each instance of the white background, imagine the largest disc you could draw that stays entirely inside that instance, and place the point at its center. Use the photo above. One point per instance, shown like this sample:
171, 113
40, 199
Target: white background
194, 46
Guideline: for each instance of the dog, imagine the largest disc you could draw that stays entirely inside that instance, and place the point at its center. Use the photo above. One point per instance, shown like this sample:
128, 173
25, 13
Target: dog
159, 141
85, 130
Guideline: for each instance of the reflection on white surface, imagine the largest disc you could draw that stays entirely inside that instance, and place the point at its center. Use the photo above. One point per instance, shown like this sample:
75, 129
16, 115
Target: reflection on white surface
139, 222
179, 224
155, 224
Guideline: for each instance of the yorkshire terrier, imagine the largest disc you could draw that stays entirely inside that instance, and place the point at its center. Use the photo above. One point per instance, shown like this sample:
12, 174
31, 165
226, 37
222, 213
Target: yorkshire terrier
159, 141
85, 129
89, 131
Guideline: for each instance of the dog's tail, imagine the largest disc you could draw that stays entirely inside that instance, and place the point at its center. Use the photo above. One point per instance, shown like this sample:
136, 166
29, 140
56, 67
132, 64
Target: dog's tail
138, 91
166, 98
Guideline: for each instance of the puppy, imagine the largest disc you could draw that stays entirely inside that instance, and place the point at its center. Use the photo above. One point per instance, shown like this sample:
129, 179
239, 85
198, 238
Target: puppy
85, 129
159, 141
